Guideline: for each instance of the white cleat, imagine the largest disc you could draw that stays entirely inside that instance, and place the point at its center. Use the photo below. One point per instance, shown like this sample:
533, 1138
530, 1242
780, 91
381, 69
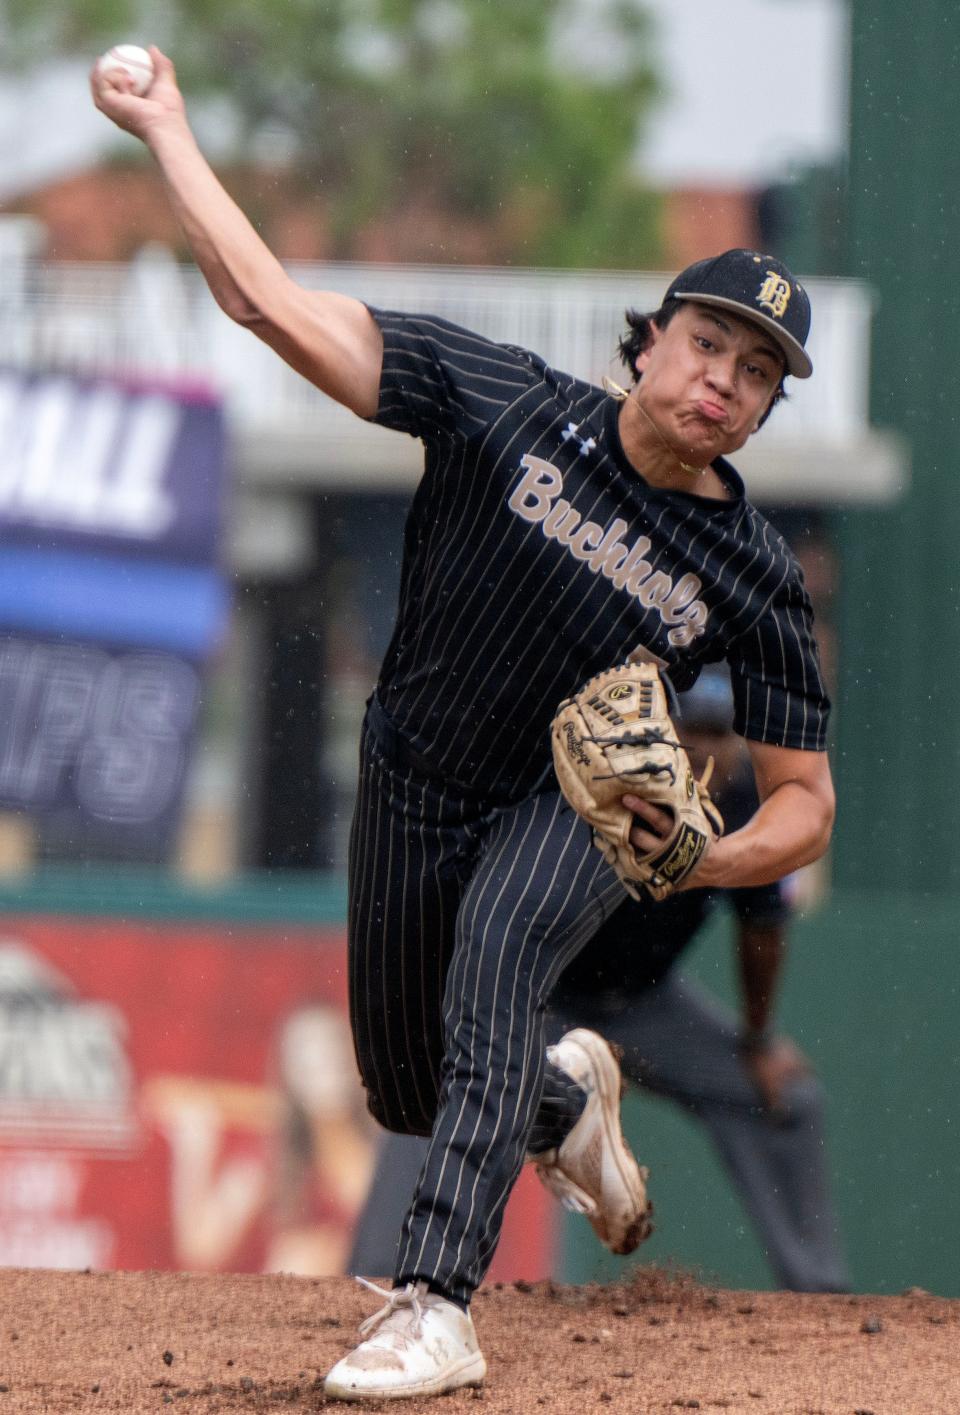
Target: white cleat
418, 1344
593, 1171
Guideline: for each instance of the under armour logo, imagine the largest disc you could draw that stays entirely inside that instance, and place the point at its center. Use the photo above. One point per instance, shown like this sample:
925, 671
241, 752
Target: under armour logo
586, 444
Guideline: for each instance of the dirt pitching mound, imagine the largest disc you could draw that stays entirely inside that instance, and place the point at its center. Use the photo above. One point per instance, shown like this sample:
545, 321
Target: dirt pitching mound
145, 1342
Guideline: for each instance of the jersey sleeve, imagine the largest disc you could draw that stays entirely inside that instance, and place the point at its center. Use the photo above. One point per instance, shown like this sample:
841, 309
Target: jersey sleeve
440, 380
778, 690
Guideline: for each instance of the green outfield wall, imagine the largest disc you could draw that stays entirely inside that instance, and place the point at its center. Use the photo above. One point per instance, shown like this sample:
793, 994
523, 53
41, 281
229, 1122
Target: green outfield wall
898, 720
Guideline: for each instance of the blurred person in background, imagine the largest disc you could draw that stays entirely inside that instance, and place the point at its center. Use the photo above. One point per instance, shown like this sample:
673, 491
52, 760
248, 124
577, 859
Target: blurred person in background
747, 1082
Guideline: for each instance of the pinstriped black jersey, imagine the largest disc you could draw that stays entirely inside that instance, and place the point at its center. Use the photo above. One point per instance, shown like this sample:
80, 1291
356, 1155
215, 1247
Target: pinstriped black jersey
535, 555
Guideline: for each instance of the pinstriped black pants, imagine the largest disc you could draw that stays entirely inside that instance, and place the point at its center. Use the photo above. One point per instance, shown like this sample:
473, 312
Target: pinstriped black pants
462, 915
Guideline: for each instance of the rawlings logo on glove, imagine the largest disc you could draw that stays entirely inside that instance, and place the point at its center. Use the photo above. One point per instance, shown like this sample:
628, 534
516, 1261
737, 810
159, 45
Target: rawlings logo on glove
613, 737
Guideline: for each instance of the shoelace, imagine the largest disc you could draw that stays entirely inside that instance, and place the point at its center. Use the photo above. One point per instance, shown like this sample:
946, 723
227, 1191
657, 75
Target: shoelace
398, 1299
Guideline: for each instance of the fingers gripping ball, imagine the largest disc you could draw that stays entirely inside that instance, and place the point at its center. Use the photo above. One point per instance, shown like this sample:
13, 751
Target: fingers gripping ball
128, 59
615, 736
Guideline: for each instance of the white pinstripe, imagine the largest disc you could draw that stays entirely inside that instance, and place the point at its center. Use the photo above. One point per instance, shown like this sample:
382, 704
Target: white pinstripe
414, 1259
435, 1257
511, 1028
455, 533
465, 569
530, 1082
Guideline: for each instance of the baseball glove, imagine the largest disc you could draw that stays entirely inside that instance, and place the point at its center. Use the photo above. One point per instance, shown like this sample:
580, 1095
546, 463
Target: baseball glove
614, 736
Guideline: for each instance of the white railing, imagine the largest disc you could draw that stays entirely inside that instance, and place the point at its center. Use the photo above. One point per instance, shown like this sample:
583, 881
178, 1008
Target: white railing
156, 317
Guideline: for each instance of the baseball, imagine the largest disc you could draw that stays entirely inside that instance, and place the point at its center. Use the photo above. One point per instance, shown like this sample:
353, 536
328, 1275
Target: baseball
128, 59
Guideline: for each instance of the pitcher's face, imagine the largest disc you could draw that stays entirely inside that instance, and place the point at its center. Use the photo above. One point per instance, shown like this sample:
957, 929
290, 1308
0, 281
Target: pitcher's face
708, 379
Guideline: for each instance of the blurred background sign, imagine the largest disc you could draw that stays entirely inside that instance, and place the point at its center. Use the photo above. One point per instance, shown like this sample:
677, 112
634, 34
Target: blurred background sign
95, 744
111, 600
105, 464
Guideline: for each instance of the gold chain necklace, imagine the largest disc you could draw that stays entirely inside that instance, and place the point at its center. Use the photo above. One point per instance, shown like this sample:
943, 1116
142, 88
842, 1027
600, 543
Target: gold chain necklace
622, 395
684, 466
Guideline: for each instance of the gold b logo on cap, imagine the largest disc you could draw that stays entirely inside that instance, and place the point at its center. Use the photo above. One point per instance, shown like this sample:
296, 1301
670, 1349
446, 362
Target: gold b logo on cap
775, 294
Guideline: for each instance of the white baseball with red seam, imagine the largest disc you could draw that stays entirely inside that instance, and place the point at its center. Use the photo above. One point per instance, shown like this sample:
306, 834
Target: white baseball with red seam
129, 59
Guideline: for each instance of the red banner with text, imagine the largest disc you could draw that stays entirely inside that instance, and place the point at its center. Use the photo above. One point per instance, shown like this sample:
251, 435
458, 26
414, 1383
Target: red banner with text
186, 1096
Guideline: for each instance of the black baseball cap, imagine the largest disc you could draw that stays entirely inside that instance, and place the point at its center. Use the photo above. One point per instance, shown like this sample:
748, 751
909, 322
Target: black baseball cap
757, 288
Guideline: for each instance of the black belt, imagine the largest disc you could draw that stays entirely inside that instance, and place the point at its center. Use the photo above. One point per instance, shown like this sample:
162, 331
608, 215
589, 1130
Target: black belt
397, 748
401, 754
